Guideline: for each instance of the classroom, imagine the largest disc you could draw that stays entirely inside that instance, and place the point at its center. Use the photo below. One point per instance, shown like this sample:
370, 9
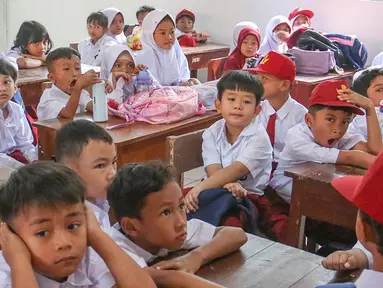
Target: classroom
200, 144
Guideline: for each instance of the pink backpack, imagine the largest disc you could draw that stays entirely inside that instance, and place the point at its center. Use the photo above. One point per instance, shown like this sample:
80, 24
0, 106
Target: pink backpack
159, 106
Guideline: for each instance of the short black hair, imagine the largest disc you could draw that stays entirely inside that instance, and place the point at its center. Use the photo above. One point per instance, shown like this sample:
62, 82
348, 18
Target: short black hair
74, 136
99, 18
187, 16
240, 81
378, 227
60, 53
42, 184
318, 107
363, 80
7, 68
31, 31
144, 9
133, 183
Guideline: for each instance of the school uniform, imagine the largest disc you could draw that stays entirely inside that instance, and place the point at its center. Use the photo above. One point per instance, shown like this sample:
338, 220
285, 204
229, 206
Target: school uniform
14, 52
359, 124
252, 149
378, 60
100, 209
359, 245
90, 53
16, 135
198, 234
237, 30
110, 13
91, 273
54, 100
271, 42
11, 59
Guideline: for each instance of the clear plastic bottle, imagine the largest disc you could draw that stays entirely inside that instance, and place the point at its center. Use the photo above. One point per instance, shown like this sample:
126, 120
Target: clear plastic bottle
144, 81
100, 106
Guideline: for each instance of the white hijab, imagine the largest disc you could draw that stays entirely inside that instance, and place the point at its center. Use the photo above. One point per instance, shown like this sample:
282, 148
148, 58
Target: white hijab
169, 67
110, 13
109, 57
237, 30
270, 43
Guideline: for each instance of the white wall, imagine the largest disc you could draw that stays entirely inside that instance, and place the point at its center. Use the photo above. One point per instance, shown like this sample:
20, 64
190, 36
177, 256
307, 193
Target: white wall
65, 20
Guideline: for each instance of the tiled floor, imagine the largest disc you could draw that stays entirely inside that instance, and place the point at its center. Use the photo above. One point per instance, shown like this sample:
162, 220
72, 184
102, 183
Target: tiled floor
192, 177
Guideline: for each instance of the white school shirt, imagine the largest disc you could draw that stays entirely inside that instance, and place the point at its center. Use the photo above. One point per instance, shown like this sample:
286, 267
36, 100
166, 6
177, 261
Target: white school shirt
91, 273
14, 52
300, 147
15, 134
359, 124
10, 59
90, 53
359, 245
252, 148
54, 100
289, 115
100, 209
198, 234
378, 60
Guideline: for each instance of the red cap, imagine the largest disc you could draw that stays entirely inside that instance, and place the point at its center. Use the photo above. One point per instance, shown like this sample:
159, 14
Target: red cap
365, 191
278, 65
327, 92
300, 11
186, 41
185, 13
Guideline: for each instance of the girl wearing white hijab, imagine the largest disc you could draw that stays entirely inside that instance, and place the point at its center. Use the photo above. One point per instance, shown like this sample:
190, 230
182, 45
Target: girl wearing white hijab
278, 31
161, 51
116, 25
237, 30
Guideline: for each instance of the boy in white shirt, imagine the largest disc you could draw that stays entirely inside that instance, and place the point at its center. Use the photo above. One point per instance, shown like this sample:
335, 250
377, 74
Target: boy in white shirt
368, 83
16, 148
89, 150
47, 230
67, 95
150, 210
91, 48
236, 150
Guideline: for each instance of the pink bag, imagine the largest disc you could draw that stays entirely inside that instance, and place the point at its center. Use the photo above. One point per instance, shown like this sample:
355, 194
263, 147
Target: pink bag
159, 106
313, 62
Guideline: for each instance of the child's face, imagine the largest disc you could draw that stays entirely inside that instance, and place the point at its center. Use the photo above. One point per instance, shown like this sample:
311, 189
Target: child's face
164, 35
162, 222
95, 31
185, 24
7, 89
328, 126
124, 63
117, 25
37, 49
238, 108
273, 86
97, 167
282, 32
66, 73
375, 91
55, 236
141, 17
301, 21
249, 46
282, 27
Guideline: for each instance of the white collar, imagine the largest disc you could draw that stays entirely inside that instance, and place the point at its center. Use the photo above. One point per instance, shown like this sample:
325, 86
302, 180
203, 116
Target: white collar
282, 112
249, 130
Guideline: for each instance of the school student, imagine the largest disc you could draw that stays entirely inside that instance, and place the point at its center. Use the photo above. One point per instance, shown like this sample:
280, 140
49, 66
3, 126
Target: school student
91, 48
236, 150
31, 46
116, 23
16, 145
150, 209
161, 52
378, 60
248, 44
89, 150
185, 32
368, 83
46, 231
67, 95
237, 30
134, 40
277, 32
300, 18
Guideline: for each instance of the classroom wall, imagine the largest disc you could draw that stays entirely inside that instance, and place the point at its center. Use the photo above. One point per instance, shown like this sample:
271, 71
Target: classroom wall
65, 20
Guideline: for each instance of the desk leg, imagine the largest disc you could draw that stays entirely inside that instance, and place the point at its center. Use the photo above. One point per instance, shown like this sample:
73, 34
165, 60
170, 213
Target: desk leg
295, 231
193, 73
45, 145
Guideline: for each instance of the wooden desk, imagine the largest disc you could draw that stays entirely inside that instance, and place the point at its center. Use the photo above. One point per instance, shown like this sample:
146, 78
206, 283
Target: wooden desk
313, 196
199, 56
305, 84
29, 81
266, 264
137, 142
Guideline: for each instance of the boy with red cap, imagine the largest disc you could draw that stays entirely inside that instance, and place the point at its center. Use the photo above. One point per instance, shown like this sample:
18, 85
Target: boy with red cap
300, 18
185, 33
365, 193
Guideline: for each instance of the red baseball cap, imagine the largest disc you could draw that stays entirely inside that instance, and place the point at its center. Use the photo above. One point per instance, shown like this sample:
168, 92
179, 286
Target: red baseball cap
185, 13
300, 11
365, 191
278, 65
327, 92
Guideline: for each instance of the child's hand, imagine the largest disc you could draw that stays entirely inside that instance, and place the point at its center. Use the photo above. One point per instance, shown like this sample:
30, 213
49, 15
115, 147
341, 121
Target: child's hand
87, 79
202, 37
191, 200
117, 75
41, 58
236, 190
14, 249
354, 98
139, 68
92, 225
108, 87
189, 263
342, 260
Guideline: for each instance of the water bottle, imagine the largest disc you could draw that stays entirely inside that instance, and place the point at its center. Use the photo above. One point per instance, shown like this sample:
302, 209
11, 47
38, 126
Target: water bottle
100, 106
144, 81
